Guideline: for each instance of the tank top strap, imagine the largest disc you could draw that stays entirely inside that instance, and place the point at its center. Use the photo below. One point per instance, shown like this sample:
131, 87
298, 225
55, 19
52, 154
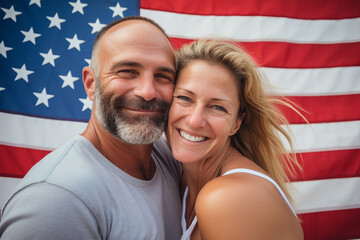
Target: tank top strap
186, 232
245, 170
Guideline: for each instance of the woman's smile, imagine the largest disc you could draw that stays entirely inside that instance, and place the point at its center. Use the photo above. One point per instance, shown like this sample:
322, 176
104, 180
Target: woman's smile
191, 138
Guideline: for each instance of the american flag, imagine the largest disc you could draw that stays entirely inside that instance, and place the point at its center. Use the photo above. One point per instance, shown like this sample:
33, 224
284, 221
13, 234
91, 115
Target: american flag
309, 50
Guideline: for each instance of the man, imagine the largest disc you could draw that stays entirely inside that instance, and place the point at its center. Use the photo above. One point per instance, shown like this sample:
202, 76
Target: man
107, 183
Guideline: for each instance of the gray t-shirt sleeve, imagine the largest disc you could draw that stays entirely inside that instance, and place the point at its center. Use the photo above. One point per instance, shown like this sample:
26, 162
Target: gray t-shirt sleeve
45, 211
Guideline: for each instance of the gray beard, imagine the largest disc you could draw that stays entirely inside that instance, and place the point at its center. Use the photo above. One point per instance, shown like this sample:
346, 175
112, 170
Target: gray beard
140, 131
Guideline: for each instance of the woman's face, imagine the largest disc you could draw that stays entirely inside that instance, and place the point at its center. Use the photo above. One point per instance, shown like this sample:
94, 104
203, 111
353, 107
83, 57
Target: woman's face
204, 111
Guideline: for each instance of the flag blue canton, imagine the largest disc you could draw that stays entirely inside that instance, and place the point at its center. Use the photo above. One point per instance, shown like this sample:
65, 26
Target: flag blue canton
43, 47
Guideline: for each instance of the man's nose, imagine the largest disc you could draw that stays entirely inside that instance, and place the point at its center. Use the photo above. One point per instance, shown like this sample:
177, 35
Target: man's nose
145, 88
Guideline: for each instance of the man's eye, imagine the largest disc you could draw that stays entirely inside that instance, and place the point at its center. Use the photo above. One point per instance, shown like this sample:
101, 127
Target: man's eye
126, 73
164, 78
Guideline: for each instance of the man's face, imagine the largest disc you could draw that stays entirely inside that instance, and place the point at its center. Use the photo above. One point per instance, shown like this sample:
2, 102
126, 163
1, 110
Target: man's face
135, 82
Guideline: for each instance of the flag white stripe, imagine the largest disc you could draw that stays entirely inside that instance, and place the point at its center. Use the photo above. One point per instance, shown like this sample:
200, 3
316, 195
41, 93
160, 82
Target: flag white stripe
314, 81
36, 133
326, 195
326, 136
256, 28
45, 134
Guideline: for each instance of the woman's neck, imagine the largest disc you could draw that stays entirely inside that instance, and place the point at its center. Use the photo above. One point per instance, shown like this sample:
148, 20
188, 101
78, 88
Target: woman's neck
198, 173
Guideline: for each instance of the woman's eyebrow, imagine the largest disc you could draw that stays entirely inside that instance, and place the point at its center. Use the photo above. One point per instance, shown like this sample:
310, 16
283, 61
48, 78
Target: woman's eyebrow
183, 89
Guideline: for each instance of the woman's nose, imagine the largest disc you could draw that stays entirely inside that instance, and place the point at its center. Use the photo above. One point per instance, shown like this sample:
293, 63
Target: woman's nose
196, 117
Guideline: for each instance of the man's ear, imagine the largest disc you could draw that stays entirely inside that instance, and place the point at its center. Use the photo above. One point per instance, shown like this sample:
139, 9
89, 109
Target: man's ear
237, 124
89, 80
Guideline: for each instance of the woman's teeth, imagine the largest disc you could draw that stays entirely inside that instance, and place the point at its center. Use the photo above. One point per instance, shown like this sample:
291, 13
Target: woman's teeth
191, 138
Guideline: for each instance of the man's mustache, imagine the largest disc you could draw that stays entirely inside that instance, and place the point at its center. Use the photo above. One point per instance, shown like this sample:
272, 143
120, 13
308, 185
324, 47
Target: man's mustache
141, 104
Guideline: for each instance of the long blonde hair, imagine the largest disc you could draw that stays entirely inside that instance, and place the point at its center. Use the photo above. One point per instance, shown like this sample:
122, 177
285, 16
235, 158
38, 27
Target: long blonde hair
259, 135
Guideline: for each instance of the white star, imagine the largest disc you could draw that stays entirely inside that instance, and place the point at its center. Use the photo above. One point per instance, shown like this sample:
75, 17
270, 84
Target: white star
78, 6
97, 26
11, 13
37, 2
49, 58
30, 36
43, 97
118, 10
88, 61
22, 73
2, 89
68, 80
56, 21
4, 49
87, 103
74, 42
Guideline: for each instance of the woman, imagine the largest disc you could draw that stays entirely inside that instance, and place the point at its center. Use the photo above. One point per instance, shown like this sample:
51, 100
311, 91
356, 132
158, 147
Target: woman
224, 130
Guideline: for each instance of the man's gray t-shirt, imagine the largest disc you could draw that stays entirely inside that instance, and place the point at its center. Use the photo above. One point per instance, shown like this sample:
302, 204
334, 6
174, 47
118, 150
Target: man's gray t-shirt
76, 193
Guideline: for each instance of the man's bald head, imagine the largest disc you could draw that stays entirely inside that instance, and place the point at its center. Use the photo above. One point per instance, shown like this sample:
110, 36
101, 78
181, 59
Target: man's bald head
94, 58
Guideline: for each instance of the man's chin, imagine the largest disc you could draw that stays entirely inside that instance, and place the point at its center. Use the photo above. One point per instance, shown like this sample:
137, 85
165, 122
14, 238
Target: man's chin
139, 133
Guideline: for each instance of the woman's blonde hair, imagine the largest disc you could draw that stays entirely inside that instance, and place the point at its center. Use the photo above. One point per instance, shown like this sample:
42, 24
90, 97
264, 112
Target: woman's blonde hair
259, 135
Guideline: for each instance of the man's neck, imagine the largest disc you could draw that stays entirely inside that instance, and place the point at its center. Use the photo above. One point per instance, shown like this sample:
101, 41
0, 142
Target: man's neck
135, 160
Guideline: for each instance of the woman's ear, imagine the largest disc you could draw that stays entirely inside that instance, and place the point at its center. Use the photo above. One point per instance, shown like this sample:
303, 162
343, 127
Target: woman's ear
89, 80
237, 124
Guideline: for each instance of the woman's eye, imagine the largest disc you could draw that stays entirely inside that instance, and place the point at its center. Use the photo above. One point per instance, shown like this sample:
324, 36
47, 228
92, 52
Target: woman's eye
184, 98
219, 108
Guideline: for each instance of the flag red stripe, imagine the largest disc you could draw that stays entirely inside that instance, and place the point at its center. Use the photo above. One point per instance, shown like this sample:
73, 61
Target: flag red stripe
306, 9
329, 164
320, 109
331, 225
293, 55
17, 161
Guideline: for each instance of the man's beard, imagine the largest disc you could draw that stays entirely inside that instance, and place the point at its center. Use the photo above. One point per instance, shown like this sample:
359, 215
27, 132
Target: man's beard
140, 129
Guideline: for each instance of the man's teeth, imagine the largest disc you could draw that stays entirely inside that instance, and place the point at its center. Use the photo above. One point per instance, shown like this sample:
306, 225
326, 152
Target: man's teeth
191, 138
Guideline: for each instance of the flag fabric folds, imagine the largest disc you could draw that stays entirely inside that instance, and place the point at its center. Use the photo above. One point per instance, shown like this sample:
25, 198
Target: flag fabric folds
309, 51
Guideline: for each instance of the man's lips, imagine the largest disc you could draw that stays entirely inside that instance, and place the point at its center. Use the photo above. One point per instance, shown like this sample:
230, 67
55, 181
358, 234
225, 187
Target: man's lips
144, 111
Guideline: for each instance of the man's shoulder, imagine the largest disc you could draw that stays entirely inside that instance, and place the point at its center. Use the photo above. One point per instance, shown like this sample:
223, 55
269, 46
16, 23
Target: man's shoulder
41, 206
67, 167
69, 153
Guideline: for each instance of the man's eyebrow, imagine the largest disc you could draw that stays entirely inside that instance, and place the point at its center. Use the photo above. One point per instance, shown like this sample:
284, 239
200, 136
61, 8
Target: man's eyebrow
166, 69
126, 64
136, 64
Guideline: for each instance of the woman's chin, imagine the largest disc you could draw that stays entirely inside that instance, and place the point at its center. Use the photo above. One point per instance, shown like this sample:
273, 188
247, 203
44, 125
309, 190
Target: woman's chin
184, 157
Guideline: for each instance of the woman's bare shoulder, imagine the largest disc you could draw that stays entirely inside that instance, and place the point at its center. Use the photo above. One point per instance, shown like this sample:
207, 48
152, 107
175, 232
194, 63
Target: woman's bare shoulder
244, 205
234, 191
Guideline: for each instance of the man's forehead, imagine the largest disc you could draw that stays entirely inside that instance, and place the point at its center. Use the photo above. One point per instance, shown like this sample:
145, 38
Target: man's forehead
135, 27
136, 35
134, 32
